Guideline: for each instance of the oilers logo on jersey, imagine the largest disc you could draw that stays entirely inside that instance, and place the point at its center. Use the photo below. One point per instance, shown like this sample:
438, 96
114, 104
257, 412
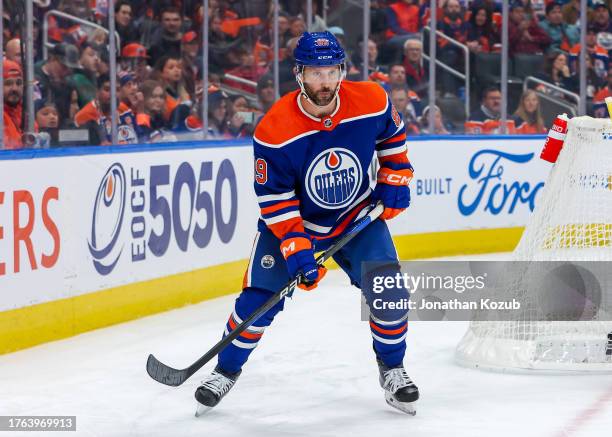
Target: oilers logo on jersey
333, 178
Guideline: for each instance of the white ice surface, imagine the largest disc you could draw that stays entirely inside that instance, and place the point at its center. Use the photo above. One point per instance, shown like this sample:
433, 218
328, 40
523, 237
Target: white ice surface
313, 374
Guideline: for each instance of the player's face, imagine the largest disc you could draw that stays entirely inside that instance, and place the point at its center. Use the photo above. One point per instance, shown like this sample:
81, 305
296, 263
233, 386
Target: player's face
321, 82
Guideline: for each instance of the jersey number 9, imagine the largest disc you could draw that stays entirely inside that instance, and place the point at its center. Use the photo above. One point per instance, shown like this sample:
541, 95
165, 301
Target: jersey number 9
261, 171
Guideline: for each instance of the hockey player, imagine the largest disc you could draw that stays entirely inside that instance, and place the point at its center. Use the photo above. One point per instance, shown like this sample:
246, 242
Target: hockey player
312, 153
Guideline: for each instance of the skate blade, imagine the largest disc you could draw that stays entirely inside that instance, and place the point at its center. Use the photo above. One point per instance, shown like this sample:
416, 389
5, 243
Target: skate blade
404, 407
201, 410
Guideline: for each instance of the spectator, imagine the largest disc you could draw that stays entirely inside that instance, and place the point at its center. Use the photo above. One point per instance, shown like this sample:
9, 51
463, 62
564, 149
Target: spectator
218, 124
47, 115
528, 117
601, 17
134, 58
95, 116
440, 127
283, 31
563, 35
47, 119
452, 25
297, 26
83, 78
486, 119
525, 35
481, 35
125, 27
372, 57
265, 93
128, 91
557, 72
167, 40
240, 117
600, 110
286, 75
416, 74
190, 46
52, 75
402, 18
13, 50
318, 24
599, 56
13, 104
151, 118
405, 101
397, 77
169, 70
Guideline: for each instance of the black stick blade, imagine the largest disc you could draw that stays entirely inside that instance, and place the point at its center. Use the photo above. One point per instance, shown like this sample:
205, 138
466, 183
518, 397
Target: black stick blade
165, 374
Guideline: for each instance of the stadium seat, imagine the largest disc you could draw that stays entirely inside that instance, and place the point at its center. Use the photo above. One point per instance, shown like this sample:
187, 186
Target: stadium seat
527, 64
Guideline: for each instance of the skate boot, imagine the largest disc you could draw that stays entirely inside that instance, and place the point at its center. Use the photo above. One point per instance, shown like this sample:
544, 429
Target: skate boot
213, 389
400, 391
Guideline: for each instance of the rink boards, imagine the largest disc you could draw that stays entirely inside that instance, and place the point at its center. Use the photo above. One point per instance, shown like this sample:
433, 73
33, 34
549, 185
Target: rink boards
91, 237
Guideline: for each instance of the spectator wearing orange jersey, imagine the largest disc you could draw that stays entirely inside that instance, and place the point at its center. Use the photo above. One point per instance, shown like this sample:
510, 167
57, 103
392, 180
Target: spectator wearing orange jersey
528, 117
486, 119
13, 101
96, 117
151, 118
402, 18
169, 71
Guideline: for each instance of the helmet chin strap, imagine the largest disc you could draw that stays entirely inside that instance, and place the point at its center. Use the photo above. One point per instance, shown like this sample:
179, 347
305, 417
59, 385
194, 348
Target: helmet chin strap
300, 80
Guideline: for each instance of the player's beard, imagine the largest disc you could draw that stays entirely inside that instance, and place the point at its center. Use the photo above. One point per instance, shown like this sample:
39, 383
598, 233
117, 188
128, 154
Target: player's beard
323, 97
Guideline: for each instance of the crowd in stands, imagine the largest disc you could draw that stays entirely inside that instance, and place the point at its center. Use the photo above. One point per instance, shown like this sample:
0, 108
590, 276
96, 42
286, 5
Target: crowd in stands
160, 87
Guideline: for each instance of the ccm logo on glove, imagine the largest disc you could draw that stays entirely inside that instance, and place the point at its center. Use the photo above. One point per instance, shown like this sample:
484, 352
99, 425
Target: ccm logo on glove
394, 177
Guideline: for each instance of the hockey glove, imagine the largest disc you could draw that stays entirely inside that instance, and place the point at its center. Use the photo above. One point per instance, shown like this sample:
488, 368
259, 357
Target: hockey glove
297, 250
392, 188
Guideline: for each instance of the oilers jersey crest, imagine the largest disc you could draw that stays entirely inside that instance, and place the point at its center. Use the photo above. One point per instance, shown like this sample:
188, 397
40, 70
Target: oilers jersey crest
311, 174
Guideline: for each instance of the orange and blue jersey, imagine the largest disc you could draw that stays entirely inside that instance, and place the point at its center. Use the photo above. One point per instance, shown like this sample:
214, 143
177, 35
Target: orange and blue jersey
599, 57
311, 174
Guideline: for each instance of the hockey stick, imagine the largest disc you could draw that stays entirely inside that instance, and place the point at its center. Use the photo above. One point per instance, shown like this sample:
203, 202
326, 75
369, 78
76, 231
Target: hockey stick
175, 377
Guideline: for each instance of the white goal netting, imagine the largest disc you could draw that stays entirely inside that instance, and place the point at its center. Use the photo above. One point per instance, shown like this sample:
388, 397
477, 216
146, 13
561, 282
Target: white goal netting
571, 222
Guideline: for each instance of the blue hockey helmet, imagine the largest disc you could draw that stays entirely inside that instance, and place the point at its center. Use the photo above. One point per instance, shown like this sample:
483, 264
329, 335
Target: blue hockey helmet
318, 49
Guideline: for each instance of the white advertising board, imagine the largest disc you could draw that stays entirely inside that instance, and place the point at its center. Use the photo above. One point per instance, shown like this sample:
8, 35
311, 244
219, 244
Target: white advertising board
79, 224
472, 184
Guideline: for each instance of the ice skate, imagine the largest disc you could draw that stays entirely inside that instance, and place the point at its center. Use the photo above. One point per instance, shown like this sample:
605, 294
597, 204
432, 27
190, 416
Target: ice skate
213, 389
400, 391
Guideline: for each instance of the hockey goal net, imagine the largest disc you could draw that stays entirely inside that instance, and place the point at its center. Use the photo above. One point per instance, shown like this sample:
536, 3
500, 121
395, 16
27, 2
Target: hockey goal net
571, 222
